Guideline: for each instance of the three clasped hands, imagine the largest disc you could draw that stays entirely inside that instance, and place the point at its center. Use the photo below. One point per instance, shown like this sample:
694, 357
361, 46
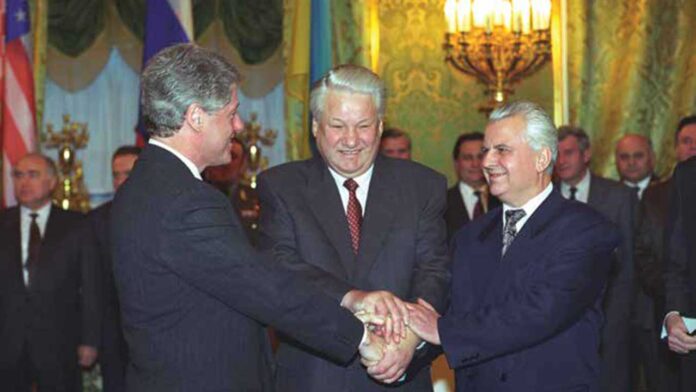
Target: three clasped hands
394, 330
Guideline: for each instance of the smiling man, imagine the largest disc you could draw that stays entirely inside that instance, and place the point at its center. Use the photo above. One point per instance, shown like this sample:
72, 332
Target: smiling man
527, 278
368, 221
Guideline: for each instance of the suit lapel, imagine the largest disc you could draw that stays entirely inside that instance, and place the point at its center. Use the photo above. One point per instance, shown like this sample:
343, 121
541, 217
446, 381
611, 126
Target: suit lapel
488, 266
378, 217
595, 195
326, 205
14, 237
54, 226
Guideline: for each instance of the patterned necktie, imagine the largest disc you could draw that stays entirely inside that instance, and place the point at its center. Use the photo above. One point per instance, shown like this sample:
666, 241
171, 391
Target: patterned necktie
34, 246
478, 207
353, 214
510, 229
573, 191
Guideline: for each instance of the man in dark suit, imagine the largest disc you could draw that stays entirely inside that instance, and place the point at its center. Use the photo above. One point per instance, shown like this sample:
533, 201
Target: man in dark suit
363, 220
113, 353
469, 198
528, 278
617, 203
635, 164
189, 284
649, 260
49, 292
680, 274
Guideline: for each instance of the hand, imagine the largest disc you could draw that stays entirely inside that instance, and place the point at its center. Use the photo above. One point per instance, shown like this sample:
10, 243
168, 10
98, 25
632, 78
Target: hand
423, 321
372, 349
86, 355
381, 303
395, 361
678, 338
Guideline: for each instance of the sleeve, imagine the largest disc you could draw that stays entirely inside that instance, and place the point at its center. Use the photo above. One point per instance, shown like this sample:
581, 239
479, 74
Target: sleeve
677, 287
277, 235
91, 285
431, 274
570, 280
202, 242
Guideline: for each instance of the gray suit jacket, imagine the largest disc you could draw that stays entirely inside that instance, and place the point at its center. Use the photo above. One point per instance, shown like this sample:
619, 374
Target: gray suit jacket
617, 203
402, 250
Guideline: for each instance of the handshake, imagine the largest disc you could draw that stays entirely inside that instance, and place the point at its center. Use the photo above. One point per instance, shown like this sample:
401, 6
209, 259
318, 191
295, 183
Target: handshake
395, 329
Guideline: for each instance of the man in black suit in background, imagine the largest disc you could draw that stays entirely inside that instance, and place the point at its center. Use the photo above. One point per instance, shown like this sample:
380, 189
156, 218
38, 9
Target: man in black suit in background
190, 286
680, 274
113, 353
49, 292
617, 203
469, 198
650, 262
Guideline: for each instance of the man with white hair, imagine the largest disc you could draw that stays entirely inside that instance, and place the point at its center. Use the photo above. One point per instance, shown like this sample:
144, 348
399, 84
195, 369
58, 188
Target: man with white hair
366, 221
528, 277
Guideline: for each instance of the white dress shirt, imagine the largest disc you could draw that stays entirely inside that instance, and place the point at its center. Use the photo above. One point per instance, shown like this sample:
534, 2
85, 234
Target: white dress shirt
583, 188
363, 181
641, 185
469, 197
529, 207
25, 225
191, 166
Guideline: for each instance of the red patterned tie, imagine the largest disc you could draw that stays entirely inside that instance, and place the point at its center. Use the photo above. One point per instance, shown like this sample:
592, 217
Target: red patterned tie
353, 214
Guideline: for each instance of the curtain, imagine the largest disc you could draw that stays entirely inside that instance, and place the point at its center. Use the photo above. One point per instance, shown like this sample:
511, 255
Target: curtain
631, 69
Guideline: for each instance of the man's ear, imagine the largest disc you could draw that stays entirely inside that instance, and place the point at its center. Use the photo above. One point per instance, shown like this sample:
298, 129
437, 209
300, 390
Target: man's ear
315, 127
381, 128
587, 155
194, 117
543, 159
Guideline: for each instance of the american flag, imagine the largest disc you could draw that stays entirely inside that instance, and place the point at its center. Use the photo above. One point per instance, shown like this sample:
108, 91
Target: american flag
18, 108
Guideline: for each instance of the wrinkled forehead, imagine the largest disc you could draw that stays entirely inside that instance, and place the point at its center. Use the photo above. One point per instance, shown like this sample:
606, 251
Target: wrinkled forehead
32, 163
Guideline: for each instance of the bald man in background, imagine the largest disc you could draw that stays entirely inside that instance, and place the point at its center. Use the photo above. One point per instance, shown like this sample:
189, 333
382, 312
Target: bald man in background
635, 162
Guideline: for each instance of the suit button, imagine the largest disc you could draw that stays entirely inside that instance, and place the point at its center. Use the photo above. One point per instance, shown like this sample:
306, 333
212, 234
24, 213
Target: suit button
503, 377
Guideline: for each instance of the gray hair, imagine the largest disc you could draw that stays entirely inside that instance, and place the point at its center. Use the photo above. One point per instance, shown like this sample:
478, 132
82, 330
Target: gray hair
349, 78
179, 76
539, 129
51, 167
578, 133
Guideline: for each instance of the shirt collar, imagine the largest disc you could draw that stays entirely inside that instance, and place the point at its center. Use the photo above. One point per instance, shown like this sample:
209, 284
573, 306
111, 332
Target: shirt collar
581, 186
531, 205
642, 184
42, 213
190, 165
466, 188
363, 180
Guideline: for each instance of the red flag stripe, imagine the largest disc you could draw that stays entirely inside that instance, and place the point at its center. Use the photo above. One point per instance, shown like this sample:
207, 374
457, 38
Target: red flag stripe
18, 61
21, 109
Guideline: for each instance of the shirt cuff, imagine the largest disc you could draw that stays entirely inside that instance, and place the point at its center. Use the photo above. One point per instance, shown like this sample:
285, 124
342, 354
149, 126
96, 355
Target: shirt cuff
664, 334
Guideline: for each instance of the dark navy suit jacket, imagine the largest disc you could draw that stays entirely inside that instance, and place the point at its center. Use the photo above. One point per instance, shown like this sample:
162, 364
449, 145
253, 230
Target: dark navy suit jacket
531, 320
193, 291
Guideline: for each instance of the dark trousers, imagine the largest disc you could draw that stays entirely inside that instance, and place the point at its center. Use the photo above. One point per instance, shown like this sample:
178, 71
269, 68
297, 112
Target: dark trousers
28, 372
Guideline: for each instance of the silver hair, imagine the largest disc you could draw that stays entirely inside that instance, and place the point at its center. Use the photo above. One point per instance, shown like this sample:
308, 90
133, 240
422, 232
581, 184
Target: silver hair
578, 133
539, 129
179, 76
350, 78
